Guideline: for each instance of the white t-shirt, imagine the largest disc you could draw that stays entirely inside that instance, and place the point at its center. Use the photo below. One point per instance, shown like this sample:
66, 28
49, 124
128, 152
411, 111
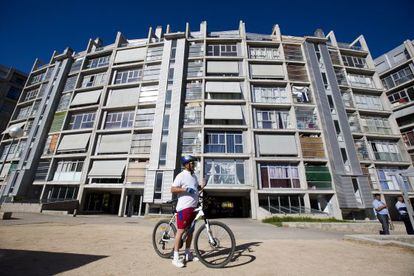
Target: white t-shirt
186, 180
378, 203
399, 205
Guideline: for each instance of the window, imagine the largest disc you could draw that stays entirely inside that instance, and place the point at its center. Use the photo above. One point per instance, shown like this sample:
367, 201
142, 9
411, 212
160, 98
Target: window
390, 182
196, 49
191, 142
264, 53
64, 102
194, 91
144, 118
297, 72
94, 80
23, 112
68, 171
141, 143
158, 185
312, 147
368, 102
376, 125
279, 176
31, 94
37, 78
224, 172
12, 152
76, 66
293, 52
403, 75
70, 83
127, 76
361, 81
154, 53
347, 99
41, 170
195, 68
361, 149
402, 97
192, 115
122, 119
353, 122
340, 77
224, 142
408, 138
81, 120
318, 177
61, 193
151, 72
270, 95
301, 94
334, 57
306, 118
386, 151
222, 50
98, 62
51, 144
57, 121
353, 61
148, 94
272, 119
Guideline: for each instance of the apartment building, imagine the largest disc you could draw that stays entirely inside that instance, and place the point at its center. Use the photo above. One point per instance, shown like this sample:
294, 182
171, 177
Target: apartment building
11, 85
396, 70
281, 124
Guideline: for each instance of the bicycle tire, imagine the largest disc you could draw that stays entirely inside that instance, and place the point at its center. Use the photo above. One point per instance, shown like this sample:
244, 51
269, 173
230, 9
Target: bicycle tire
232, 249
155, 242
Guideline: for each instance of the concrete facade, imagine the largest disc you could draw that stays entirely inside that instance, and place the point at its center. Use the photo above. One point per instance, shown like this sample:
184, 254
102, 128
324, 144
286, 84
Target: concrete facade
276, 121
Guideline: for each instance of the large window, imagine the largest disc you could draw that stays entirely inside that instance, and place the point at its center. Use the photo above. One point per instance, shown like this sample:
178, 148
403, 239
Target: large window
222, 50
81, 120
61, 193
154, 53
127, 76
279, 176
31, 94
141, 143
194, 91
196, 49
121, 119
145, 117
224, 142
148, 94
376, 125
401, 97
158, 185
368, 102
224, 172
68, 171
192, 115
403, 75
70, 83
98, 62
94, 80
388, 181
361, 81
195, 68
353, 61
191, 142
264, 53
23, 112
151, 72
306, 118
272, 119
386, 151
318, 177
270, 95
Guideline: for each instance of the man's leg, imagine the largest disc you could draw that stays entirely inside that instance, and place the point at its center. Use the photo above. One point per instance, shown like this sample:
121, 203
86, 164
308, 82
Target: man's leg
384, 224
408, 226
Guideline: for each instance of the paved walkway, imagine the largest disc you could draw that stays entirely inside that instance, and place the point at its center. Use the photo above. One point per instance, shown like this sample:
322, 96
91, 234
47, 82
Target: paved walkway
107, 245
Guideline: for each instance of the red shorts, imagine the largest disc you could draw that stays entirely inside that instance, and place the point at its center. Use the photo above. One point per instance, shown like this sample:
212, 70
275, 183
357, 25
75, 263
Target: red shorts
185, 217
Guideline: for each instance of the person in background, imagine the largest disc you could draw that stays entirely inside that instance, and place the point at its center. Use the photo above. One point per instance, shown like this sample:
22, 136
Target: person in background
381, 211
402, 210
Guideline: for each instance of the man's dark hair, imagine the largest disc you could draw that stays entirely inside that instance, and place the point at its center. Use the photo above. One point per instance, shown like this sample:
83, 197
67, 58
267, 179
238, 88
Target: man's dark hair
375, 195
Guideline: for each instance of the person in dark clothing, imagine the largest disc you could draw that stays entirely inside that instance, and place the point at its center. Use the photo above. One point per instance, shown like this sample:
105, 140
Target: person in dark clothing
402, 210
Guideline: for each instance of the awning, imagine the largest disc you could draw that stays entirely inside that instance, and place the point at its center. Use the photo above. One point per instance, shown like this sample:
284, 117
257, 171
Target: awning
130, 55
404, 112
107, 169
115, 143
20, 125
136, 172
74, 142
224, 112
267, 71
277, 144
123, 97
218, 67
223, 87
90, 97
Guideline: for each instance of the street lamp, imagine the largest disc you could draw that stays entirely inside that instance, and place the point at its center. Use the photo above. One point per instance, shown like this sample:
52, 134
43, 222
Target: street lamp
399, 176
14, 132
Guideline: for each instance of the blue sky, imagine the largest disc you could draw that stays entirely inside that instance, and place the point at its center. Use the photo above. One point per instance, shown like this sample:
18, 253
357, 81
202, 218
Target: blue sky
31, 29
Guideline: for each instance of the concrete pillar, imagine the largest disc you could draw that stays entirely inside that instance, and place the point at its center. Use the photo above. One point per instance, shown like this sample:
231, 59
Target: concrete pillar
121, 209
306, 201
254, 203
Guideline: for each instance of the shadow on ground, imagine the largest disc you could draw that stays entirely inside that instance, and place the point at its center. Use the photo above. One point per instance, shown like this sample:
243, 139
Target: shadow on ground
25, 262
242, 254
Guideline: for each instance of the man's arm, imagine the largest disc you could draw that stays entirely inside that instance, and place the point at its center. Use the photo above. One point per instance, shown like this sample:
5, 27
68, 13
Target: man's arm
177, 190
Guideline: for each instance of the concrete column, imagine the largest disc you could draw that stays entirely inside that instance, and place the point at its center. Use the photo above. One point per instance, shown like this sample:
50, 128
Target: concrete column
254, 203
306, 201
121, 209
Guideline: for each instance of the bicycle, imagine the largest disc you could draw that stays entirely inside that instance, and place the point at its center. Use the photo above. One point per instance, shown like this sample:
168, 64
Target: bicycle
214, 242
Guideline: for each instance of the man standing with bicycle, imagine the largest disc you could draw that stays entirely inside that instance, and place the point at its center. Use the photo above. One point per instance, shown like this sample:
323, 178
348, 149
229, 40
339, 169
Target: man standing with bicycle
186, 187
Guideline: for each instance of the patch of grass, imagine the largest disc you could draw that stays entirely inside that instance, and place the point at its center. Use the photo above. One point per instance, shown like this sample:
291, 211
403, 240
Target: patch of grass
277, 221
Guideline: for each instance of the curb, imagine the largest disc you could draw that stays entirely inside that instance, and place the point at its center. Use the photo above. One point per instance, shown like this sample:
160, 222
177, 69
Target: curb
377, 240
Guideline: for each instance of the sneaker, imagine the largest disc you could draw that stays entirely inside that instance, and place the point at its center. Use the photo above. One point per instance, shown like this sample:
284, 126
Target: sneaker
178, 263
190, 257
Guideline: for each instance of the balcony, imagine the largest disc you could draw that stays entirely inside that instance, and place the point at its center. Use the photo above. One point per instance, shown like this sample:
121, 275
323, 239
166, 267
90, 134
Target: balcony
318, 178
312, 147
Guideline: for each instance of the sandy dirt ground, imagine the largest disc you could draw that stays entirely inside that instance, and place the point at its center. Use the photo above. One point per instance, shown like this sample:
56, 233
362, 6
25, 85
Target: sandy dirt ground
46, 245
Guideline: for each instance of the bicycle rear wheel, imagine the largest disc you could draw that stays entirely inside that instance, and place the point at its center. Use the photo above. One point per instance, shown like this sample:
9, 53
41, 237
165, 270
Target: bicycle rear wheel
163, 237
220, 251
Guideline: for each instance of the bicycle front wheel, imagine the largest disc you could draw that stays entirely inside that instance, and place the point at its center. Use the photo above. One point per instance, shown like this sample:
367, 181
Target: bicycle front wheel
163, 237
217, 251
